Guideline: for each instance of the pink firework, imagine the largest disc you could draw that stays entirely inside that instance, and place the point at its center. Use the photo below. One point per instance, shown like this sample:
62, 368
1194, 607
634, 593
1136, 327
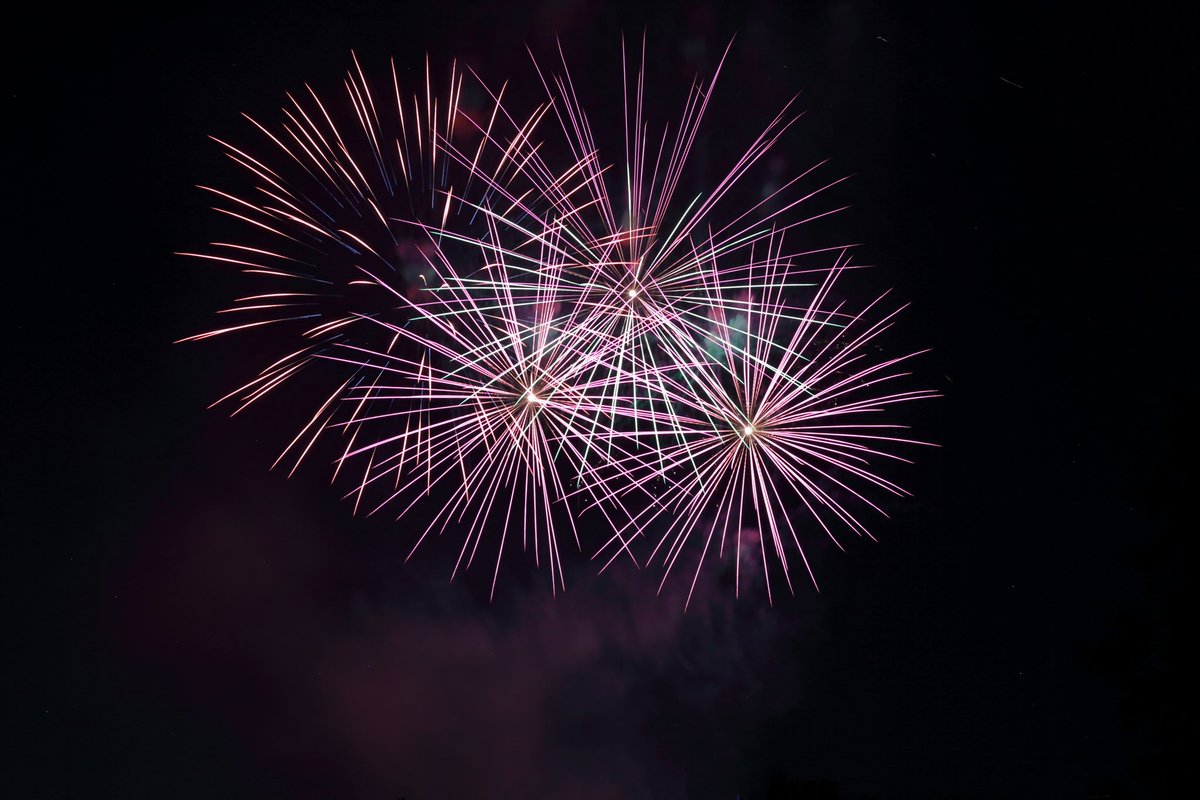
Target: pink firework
503, 396
506, 325
781, 432
449, 384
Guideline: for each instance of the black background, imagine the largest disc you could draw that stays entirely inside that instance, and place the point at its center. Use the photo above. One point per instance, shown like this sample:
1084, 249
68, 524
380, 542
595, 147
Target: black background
185, 623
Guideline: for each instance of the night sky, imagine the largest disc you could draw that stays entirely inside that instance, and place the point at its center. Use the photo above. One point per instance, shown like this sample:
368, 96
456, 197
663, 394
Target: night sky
184, 622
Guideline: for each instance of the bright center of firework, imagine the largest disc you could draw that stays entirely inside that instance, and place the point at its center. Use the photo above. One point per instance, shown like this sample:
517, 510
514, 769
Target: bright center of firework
632, 293
531, 397
748, 429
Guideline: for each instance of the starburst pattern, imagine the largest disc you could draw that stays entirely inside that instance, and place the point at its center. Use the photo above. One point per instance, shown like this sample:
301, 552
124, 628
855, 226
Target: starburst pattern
776, 412
514, 329
502, 395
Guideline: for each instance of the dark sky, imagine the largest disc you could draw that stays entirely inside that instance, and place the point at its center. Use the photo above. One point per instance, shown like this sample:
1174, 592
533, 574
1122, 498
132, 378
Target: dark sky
183, 622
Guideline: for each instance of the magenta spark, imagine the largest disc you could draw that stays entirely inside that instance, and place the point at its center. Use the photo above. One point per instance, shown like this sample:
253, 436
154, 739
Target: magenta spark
776, 414
513, 330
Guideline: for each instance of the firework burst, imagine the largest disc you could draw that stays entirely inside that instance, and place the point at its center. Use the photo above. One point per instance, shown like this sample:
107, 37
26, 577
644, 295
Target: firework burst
776, 414
506, 325
503, 397
447, 382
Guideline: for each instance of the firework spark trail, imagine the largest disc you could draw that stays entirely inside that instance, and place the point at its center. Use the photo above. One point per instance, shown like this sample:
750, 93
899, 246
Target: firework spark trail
554, 323
770, 422
642, 274
428, 359
506, 395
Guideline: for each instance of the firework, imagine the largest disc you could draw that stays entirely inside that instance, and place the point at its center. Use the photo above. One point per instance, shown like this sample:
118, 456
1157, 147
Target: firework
441, 371
777, 413
503, 395
510, 329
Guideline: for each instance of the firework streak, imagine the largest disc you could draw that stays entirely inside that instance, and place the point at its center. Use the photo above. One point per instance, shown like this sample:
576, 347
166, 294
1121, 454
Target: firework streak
510, 330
